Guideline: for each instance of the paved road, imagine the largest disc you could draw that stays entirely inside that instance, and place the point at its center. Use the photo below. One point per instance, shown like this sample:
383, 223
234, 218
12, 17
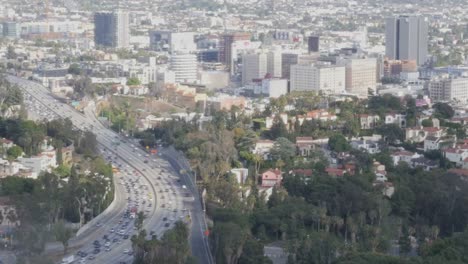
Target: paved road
198, 240
143, 178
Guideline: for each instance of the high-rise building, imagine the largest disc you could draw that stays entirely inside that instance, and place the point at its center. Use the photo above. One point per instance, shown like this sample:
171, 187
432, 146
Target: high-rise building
111, 29
11, 29
254, 66
360, 75
313, 43
274, 64
172, 42
445, 88
225, 51
406, 38
309, 77
185, 67
291, 58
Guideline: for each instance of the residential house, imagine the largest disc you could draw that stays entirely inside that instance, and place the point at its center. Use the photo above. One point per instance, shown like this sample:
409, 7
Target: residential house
425, 163
302, 172
398, 119
369, 121
456, 155
8, 168
241, 174
270, 120
419, 134
304, 145
379, 171
320, 114
404, 156
6, 143
334, 172
137, 90
263, 148
271, 177
369, 146
465, 164
45, 161
434, 143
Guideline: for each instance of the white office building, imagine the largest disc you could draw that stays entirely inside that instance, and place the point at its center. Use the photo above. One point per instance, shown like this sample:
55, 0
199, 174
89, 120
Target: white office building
360, 75
172, 42
254, 66
274, 67
185, 67
309, 77
445, 88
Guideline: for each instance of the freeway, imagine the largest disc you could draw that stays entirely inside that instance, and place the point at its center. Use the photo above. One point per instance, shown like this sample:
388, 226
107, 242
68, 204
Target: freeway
145, 181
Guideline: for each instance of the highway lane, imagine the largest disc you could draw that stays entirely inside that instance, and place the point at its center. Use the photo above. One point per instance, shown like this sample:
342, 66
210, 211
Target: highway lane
132, 157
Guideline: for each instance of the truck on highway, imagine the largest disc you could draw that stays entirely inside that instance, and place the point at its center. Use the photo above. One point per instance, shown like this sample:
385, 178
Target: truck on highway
68, 260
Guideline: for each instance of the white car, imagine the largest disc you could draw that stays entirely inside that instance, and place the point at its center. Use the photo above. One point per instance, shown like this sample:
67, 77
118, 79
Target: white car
126, 251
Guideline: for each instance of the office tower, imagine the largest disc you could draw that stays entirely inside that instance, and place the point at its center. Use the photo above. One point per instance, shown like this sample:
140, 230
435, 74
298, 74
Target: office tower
445, 88
406, 38
172, 42
360, 75
254, 66
11, 29
309, 77
225, 51
185, 67
287, 60
111, 29
313, 44
274, 64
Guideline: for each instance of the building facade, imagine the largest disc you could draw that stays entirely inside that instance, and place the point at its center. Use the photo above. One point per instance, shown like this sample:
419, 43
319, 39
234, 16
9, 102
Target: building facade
185, 67
448, 89
310, 77
254, 66
225, 52
407, 38
111, 29
360, 75
172, 42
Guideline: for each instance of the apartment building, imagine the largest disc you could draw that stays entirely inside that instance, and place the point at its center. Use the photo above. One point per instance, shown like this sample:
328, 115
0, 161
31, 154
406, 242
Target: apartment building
308, 77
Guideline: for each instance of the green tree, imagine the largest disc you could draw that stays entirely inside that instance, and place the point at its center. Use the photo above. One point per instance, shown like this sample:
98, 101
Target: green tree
338, 143
443, 110
427, 123
14, 152
74, 69
140, 218
283, 149
392, 133
133, 81
62, 234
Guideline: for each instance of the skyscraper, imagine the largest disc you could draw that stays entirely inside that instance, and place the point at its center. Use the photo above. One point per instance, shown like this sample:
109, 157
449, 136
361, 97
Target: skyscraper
274, 63
406, 38
313, 43
225, 52
111, 29
254, 66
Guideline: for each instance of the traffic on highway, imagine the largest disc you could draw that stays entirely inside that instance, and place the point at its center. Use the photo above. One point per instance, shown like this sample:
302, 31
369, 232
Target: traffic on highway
144, 182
